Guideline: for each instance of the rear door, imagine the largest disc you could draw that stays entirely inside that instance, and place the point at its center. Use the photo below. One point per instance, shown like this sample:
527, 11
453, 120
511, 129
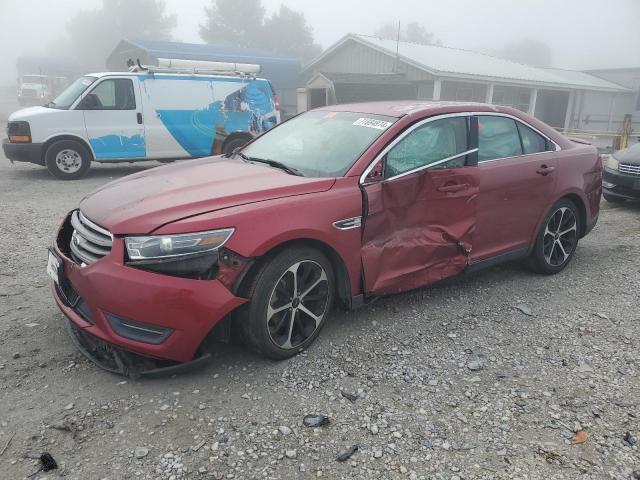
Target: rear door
420, 217
113, 119
517, 173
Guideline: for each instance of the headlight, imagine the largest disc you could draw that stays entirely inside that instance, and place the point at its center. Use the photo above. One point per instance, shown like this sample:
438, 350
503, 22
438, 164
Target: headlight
611, 163
190, 255
19, 131
159, 247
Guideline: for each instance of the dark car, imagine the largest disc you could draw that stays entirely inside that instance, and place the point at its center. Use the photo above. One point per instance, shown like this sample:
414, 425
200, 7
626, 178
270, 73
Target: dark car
337, 205
621, 180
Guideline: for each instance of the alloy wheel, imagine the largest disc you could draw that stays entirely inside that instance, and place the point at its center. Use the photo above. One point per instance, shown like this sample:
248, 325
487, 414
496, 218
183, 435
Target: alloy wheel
560, 236
69, 161
298, 304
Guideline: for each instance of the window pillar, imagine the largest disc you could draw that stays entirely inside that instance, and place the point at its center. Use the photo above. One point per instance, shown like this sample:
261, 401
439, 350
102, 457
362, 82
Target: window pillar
437, 86
532, 101
489, 97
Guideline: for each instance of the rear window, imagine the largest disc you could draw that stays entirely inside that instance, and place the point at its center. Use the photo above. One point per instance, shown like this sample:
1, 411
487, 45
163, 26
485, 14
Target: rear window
497, 138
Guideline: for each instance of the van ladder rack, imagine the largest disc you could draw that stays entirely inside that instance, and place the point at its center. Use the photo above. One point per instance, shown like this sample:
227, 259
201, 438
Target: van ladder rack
229, 69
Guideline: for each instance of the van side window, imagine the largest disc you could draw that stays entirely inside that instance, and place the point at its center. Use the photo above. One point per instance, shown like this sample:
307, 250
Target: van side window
113, 94
497, 138
429, 144
532, 142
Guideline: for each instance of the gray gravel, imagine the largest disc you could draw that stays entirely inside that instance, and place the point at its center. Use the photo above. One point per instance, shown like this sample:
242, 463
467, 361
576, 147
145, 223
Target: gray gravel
486, 376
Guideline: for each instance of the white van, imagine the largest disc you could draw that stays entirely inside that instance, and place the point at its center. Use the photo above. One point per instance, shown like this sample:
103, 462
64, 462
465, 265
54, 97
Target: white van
163, 113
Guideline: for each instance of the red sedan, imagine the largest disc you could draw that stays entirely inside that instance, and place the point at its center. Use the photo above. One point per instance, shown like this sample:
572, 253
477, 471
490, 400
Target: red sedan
337, 205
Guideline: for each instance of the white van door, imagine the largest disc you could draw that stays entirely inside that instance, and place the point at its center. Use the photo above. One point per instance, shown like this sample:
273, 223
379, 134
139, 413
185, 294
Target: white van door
113, 118
177, 115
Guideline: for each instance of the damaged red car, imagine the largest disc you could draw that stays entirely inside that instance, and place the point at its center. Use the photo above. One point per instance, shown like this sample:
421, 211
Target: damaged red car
337, 205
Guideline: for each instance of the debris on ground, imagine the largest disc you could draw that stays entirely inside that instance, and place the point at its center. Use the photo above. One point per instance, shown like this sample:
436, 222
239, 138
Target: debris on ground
46, 461
524, 309
580, 437
141, 452
349, 396
629, 439
315, 420
343, 457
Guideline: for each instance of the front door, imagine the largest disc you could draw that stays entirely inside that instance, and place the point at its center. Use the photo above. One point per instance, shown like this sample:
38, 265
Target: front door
113, 119
516, 168
420, 218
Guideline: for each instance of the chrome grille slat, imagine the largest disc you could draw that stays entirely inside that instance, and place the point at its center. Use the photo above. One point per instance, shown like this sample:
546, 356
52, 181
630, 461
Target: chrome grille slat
98, 239
629, 169
89, 242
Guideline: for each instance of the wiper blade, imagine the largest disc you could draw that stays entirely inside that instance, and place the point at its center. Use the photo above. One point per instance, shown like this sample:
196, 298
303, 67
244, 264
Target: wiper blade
271, 163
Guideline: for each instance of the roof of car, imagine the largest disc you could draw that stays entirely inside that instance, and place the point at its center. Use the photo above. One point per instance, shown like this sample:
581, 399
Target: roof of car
409, 107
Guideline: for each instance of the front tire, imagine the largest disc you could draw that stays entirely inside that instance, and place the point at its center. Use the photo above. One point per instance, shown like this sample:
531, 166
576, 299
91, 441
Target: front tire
557, 240
67, 160
290, 297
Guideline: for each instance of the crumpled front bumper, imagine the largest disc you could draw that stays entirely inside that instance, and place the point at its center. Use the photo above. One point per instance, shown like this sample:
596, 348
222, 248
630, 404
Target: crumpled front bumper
108, 288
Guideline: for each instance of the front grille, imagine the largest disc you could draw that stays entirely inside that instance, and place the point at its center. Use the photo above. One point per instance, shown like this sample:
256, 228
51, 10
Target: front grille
629, 169
89, 242
29, 92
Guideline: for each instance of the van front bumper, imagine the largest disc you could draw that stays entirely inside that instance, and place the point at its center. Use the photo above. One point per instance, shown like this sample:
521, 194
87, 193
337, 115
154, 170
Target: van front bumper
23, 152
127, 312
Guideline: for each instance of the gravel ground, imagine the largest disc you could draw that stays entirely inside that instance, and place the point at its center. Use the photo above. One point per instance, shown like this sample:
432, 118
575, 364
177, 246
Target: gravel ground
494, 375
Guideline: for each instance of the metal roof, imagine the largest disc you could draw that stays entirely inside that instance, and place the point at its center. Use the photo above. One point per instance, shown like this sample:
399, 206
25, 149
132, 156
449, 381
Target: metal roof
281, 70
466, 64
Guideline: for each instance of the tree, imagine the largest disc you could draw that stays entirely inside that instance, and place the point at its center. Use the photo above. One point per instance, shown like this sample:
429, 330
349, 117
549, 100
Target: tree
287, 31
242, 23
413, 32
233, 22
93, 34
529, 51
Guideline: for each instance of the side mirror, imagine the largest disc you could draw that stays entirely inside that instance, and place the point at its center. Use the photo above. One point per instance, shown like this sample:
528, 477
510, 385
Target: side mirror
376, 174
89, 102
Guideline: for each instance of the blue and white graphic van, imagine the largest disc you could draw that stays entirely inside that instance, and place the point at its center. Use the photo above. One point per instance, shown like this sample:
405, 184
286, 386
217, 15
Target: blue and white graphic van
158, 113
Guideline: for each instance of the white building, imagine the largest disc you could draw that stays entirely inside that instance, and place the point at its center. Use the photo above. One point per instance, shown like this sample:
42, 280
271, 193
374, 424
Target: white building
362, 68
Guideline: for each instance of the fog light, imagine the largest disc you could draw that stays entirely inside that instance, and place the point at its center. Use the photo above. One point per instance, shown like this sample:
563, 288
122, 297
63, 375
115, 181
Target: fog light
608, 185
140, 332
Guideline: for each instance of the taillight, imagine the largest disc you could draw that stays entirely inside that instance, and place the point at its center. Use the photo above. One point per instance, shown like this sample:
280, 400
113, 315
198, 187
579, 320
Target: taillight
277, 102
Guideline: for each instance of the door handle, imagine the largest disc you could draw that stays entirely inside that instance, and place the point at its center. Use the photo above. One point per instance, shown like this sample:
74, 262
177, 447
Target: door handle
545, 170
139, 117
456, 187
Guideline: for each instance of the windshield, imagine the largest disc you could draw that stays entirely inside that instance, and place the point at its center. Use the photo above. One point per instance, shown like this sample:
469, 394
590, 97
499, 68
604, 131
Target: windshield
71, 93
320, 143
33, 79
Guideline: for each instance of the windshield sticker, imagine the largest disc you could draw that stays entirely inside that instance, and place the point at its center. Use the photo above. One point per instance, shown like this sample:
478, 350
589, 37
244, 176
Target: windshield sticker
372, 123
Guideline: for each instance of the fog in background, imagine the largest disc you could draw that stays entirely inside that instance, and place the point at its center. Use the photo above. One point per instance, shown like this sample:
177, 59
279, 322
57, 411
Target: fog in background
582, 34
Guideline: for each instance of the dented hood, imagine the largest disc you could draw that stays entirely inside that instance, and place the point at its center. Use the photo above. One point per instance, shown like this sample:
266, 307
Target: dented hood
143, 202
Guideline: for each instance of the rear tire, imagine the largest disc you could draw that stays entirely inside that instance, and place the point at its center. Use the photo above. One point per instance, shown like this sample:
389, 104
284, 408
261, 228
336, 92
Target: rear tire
231, 145
613, 199
557, 239
278, 322
67, 160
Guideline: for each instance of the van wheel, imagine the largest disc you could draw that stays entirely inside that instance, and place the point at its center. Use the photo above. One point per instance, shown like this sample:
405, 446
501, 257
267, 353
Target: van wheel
67, 160
557, 240
231, 145
290, 297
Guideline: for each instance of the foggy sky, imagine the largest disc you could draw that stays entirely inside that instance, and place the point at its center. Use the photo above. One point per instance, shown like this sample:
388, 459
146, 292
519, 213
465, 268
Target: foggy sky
582, 33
